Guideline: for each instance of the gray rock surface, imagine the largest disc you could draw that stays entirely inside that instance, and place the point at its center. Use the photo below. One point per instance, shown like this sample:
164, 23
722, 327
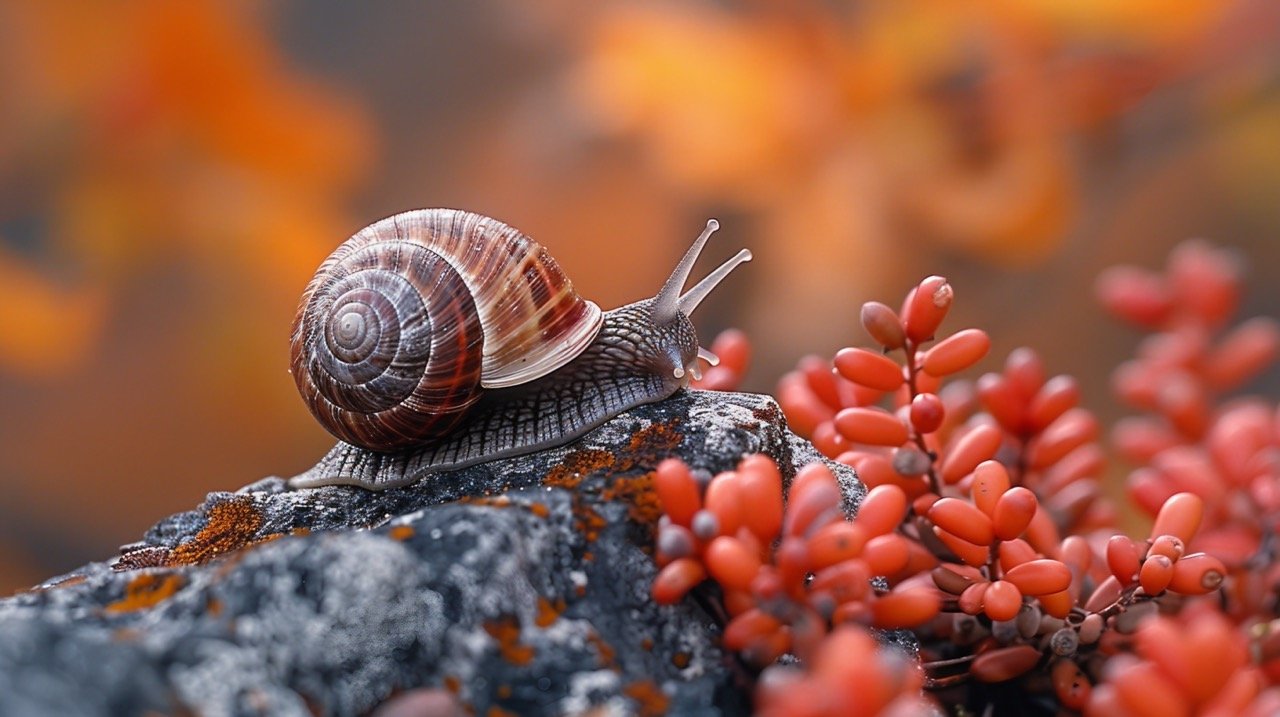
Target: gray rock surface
518, 586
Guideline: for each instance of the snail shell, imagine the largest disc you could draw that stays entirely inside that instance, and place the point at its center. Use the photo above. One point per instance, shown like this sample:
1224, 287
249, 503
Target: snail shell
436, 339
407, 321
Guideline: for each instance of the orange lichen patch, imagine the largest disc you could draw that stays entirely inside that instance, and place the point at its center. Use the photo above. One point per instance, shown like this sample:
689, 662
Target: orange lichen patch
681, 660
649, 696
647, 644
603, 649
300, 530
590, 522
638, 494
401, 532
232, 525
147, 590
452, 683
646, 447
576, 466
496, 711
213, 607
539, 509
503, 691
548, 611
649, 444
506, 630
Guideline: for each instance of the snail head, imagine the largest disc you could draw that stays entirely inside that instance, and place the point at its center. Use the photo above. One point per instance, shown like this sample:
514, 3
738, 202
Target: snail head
671, 309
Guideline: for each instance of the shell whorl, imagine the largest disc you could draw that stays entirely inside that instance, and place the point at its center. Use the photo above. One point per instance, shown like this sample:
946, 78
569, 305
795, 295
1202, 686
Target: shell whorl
406, 321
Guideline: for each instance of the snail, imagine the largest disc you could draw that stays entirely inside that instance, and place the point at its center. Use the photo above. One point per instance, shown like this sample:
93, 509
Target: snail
437, 339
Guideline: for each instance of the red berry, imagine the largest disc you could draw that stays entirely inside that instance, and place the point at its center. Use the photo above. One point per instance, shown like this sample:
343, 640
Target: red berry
1014, 553
871, 425
971, 599
1136, 295
813, 504
886, 554
1040, 577
724, 500
1071, 430
1055, 397
883, 508
731, 562
803, 409
926, 308
1243, 353
883, 325
1123, 558
1179, 516
962, 519
1002, 600
1197, 574
1071, 685
927, 412
1168, 546
1004, 663
979, 444
834, 543
990, 481
676, 579
1156, 573
748, 627
760, 488
904, 608
1013, 513
1001, 400
975, 555
869, 369
954, 579
677, 491
957, 352
734, 350
1025, 372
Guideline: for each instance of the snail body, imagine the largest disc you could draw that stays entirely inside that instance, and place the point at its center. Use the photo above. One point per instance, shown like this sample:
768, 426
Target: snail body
437, 339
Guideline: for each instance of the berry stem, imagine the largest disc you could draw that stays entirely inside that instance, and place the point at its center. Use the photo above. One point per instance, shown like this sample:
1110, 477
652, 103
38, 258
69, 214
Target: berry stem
935, 484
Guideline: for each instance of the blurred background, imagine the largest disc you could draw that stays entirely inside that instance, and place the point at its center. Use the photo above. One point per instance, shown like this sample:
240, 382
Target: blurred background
172, 173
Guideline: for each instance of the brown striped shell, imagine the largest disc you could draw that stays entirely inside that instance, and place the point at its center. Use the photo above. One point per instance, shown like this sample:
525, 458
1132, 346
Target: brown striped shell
409, 319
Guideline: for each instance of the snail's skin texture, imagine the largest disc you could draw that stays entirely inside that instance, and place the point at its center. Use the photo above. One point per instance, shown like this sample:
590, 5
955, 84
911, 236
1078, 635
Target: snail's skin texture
623, 368
438, 339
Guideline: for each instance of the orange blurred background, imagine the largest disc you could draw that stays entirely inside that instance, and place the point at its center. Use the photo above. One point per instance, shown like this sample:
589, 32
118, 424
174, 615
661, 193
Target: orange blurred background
172, 173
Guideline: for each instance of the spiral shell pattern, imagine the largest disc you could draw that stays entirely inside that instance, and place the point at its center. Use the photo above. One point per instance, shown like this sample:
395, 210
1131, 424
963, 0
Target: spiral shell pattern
405, 323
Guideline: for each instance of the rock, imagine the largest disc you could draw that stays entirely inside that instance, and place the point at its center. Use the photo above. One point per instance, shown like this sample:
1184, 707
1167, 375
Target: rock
518, 586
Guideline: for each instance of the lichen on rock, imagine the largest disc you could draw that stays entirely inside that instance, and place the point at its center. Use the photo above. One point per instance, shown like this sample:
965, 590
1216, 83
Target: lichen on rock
517, 586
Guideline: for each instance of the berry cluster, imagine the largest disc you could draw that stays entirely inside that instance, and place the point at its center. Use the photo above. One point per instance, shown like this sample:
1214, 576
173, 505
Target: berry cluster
1188, 438
787, 576
1191, 664
985, 530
